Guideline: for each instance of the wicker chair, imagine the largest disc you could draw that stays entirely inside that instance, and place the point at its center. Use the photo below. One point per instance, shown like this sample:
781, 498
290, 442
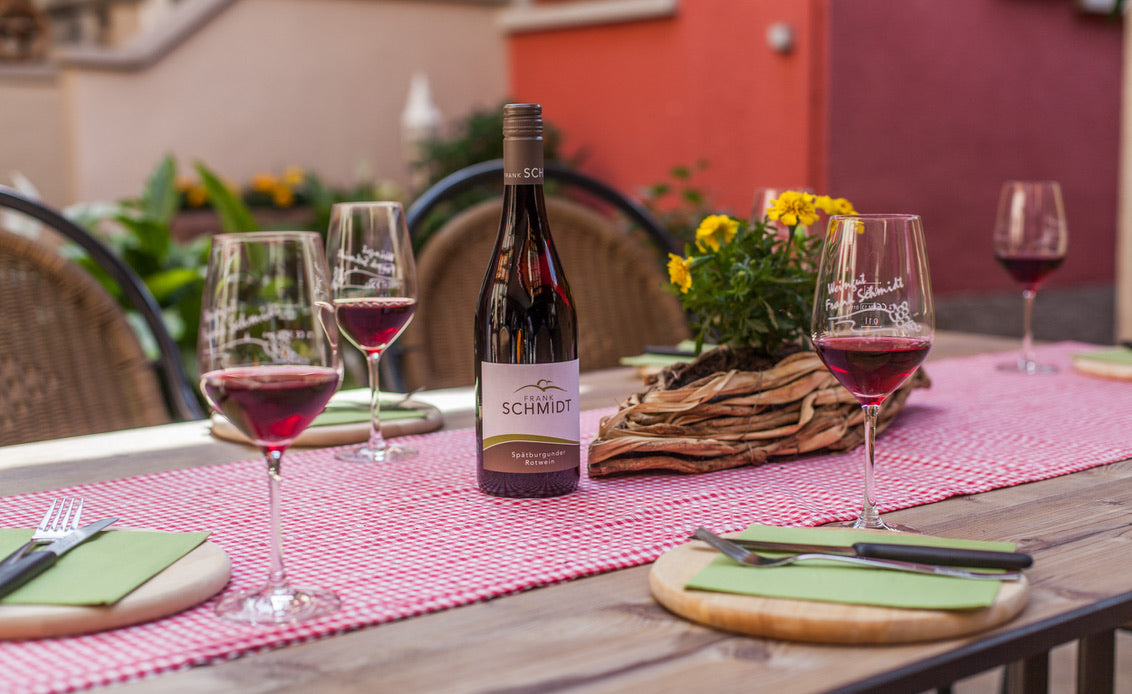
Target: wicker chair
70, 364
617, 284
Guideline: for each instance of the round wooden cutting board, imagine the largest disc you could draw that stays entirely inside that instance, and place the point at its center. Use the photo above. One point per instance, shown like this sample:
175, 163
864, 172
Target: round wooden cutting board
1103, 368
187, 582
816, 622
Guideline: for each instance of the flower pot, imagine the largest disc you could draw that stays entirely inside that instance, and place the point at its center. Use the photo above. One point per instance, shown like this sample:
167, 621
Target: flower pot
728, 409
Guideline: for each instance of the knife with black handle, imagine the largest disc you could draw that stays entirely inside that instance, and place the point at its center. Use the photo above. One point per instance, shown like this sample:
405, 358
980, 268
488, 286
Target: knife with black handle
30, 565
923, 554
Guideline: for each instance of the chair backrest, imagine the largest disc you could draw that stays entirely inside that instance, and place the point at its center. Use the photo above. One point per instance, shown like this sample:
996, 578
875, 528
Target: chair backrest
58, 317
491, 172
69, 361
617, 285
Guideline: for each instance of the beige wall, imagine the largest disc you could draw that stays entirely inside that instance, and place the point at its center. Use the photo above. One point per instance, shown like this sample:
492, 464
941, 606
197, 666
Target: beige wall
33, 136
270, 83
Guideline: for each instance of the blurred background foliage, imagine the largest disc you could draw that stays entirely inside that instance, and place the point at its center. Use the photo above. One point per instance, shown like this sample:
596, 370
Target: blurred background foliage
148, 232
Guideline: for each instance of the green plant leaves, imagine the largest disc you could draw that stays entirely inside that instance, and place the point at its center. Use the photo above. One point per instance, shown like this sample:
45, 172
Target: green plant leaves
160, 199
234, 214
755, 291
147, 243
166, 284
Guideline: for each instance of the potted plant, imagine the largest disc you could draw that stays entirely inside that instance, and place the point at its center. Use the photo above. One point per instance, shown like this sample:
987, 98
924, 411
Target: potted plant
762, 392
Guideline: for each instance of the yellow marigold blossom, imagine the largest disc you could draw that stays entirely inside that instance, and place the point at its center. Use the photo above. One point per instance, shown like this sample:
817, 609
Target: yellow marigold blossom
282, 195
196, 195
264, 183
680, 272
793, 208
715, 231
834, 205
294, 176
184, 183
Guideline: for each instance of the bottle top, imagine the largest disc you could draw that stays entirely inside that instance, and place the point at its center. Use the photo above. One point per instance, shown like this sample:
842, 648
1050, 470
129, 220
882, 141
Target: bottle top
522, 121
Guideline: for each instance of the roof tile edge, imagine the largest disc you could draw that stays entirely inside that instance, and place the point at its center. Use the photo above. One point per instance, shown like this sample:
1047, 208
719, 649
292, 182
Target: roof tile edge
147, 48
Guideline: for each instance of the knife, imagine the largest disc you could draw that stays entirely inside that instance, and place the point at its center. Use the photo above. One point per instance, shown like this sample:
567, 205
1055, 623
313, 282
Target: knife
32, 564
923, 554
746, 558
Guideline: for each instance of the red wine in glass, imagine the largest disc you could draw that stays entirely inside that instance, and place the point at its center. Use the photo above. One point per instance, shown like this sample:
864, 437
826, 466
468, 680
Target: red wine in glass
872, 368
271, 405
873, 319
269, 363
373, 323
1030, 241
1030, 271
374, 290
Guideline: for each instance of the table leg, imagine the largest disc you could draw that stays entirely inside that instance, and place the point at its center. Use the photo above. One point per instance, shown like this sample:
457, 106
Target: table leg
1029, 676
1095, 663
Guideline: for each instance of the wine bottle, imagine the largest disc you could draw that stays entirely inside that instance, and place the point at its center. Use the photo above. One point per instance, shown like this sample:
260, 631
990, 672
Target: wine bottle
526, 338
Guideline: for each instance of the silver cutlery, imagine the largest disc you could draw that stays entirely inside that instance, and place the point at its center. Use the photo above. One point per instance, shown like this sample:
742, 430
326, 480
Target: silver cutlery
923, 554
748, 558
32, 564
61, 518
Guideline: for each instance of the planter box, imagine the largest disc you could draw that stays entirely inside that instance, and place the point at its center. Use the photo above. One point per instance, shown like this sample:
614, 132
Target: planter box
688, 422
191, 224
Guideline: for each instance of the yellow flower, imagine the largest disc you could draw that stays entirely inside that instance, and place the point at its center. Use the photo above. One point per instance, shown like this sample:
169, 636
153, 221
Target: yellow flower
715, 231
680, 272
264, 183
835, 206
196, 195
793, 208
294, 176
184, 183
282, 195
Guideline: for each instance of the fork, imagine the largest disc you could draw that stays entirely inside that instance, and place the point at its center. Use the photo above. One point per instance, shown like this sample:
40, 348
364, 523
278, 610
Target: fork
748, 558
61, 518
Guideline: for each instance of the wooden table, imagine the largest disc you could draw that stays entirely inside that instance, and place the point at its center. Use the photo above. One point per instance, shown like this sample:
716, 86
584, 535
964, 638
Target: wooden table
606, 634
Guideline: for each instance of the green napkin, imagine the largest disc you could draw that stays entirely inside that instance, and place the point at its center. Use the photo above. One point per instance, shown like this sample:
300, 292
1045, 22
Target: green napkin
1116, 355
100, 571
352, 406
831, 582
653, 360
662, 360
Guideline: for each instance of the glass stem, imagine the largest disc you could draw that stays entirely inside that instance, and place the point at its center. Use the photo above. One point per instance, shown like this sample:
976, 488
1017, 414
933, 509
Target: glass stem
376, 441
277, 579
870, 517
1027, 329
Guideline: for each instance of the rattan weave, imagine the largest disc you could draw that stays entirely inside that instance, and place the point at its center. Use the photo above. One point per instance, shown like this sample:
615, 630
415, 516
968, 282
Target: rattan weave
618, 288
69, 362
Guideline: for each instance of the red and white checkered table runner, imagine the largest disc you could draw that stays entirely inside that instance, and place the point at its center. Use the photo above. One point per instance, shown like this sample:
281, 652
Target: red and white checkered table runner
976, 429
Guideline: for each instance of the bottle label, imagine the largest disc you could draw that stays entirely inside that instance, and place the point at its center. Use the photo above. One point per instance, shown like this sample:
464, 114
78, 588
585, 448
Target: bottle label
522, 161
530, 417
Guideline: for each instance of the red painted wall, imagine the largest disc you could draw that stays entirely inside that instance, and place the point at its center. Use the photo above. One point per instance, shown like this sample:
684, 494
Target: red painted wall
935, 104
909, 105
640, 98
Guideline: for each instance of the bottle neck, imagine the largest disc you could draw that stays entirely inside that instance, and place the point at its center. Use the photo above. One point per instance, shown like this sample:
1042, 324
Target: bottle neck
522, 161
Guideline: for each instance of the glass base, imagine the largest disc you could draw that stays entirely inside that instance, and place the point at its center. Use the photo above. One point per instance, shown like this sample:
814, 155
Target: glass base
1025, 366
277, 605
389, 454
878, 524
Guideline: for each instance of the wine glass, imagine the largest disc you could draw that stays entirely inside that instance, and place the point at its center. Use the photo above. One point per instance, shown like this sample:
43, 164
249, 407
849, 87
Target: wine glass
374, 283
268, 355
873, 319
1030, 241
